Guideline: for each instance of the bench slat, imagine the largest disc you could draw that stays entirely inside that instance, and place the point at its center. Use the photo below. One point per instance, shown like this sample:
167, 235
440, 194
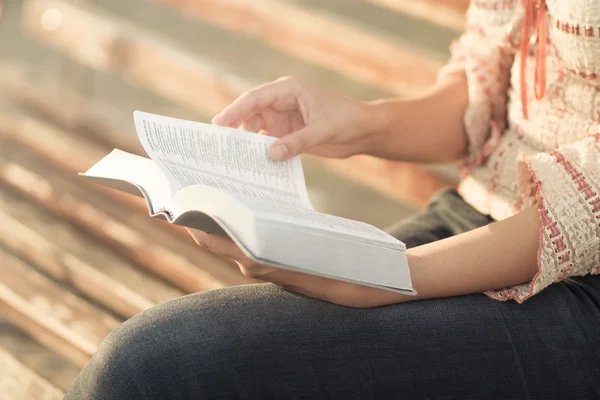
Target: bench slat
17, 382
147, 241
95, 120
323, 39
406, 182
54, 316
446, 13
57, 145
72, 258
108, 44
56, 369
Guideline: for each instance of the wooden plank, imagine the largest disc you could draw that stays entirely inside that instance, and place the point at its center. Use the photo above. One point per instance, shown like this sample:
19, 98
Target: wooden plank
323, 39
57, 145
446, 13
71, 257
50, 313
109, 44
149, 242
97, 121
56, 369
17, 382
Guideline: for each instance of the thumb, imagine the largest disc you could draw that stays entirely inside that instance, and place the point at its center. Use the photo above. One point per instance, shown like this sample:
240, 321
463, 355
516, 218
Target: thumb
295, 143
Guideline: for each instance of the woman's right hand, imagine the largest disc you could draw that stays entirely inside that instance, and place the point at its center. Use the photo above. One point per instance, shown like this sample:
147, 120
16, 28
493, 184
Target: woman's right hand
303, 117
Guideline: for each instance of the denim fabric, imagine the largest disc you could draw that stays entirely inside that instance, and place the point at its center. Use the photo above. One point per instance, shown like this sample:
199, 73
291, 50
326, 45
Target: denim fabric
263, 342
446, 215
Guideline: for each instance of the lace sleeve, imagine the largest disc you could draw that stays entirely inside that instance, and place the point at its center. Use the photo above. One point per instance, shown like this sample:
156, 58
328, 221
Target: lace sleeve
482, 53
565, 185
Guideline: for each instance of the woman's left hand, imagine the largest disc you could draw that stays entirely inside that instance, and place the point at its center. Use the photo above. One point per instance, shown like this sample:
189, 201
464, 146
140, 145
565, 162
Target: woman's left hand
337, 292
225, 247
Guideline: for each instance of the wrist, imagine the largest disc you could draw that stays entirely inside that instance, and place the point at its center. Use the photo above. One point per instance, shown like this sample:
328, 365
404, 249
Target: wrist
379, 117
420, 273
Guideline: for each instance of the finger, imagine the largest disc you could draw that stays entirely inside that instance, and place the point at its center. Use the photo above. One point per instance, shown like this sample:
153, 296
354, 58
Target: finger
279, 124
297, 121
295, 143
254, 124
198, 236
280, 93
219, 245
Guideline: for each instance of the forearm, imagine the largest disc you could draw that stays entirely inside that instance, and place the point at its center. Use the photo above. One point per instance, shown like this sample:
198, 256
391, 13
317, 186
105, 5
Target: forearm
325, 289
428, 128
492, 257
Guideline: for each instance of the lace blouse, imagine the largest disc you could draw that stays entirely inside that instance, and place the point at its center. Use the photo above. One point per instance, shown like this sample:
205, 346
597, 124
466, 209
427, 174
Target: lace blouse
533, 124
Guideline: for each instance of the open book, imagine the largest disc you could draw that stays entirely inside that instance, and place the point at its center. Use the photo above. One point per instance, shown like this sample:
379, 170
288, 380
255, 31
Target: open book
222, 181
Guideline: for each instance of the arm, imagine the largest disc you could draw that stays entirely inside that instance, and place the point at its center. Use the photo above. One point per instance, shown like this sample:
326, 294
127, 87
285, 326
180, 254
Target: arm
428, 128
554, 238
492, 257
305, 118
460, 117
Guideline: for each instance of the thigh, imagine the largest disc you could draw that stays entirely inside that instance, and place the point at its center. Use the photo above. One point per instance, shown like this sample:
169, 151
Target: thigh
260, 341
446, 215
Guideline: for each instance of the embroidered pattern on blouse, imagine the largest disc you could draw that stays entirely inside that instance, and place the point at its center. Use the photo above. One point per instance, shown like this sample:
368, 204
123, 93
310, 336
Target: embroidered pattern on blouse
551, 154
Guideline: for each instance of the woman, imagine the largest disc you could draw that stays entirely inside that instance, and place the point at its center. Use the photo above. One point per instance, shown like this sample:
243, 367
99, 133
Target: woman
505, 267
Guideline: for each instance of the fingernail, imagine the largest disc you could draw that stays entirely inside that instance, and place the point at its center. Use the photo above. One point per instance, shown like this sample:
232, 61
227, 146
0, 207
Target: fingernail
218, 120
279, 152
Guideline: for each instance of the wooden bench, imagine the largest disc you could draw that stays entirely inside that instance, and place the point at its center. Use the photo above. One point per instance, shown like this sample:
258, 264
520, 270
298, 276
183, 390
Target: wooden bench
80, 259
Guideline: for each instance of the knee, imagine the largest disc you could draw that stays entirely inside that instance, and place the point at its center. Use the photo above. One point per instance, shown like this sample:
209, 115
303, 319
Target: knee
119, 368
184, 347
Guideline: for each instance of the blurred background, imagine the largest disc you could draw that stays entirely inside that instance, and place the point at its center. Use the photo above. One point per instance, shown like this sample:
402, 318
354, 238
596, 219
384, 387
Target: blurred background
75, 259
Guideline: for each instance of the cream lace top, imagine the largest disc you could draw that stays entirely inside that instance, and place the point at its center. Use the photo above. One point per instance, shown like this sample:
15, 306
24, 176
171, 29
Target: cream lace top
535, 136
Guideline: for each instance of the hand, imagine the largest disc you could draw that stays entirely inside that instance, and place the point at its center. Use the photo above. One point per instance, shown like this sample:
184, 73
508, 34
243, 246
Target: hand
225, 247
304, 117
337, 292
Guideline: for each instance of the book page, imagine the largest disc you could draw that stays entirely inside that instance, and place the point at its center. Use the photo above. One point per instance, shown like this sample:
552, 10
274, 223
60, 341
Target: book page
303, 218
124, 171
193, 153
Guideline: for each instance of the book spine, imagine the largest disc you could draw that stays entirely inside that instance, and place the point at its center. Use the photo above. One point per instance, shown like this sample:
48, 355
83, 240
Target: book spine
169, 214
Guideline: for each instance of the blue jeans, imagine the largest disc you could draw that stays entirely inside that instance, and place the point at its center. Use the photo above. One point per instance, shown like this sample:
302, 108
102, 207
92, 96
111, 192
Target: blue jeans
263, 342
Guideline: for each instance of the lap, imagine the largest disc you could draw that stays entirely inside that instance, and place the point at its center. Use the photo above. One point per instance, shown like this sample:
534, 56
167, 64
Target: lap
446, 215
260, 341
